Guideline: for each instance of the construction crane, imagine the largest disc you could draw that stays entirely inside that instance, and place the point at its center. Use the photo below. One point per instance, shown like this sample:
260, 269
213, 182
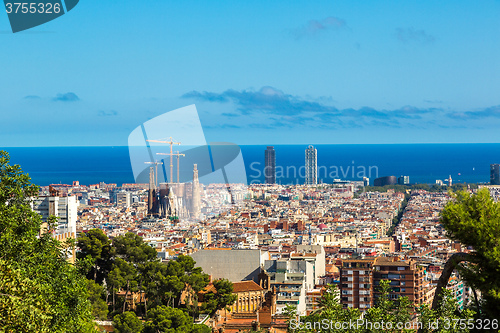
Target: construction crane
171, 143
178, 155
156, 172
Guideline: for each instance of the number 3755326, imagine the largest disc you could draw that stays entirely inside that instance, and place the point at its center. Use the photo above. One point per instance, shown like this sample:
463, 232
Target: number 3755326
32, 8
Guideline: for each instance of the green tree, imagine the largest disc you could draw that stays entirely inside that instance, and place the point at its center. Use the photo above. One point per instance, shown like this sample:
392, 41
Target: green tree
19, 313
95, 247
124, 277
290, 312
131, 248
387, 310
160, 288
127, 322
40, 291
194, 281
166, 319
331, 312
115, 282
164, 283
200, 328
446, 318
137, 268
330, 309
221, 298
192, 276
474, 220
97, 295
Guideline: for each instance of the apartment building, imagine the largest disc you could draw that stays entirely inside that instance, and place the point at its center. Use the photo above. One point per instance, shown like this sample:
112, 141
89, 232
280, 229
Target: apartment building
315, 254
360, 281
65, 208
123, 199
289, 279
406, 279
312, 299
356, 283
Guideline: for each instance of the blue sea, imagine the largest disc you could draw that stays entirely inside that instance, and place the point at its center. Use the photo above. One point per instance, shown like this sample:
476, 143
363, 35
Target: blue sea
423, 163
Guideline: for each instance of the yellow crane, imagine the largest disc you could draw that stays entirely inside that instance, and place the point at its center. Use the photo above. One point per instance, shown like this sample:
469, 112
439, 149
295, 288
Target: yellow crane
178, 155
171, 142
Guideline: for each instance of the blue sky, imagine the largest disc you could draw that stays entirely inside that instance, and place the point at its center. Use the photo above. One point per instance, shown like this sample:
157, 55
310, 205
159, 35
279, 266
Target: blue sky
259, 72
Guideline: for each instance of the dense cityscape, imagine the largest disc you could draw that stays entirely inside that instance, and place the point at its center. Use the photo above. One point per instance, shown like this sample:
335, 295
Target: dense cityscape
279, 245
250, 166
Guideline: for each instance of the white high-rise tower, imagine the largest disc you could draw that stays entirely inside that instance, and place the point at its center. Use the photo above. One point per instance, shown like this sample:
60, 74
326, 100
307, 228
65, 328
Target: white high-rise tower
311, 166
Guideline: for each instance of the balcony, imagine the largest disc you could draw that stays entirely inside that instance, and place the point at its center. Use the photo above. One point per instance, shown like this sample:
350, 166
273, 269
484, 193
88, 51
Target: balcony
288, 289
288, 298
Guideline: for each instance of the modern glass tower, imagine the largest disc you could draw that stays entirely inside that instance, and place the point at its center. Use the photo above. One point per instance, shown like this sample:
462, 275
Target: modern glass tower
494, 174
270, 168
311, 166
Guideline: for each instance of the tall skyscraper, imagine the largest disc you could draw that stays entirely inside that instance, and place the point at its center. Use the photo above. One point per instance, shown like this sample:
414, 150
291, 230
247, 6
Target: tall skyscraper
270, 168
494, 174
311, 166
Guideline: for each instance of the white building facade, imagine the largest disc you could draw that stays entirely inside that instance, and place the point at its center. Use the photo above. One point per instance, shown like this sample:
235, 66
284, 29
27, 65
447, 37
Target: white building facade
64, 208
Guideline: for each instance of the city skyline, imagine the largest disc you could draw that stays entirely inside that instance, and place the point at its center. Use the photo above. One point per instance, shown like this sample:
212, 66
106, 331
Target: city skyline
253, 166
332, 72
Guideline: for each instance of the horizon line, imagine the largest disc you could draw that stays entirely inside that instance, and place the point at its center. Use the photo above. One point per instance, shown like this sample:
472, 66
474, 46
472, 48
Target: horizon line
270, 144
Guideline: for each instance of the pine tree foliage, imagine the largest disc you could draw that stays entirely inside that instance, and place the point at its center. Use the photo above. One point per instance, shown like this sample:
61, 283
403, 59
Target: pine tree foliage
40, 291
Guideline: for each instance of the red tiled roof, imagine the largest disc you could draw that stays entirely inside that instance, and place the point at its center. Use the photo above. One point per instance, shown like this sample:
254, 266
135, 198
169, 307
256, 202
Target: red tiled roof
245, 286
